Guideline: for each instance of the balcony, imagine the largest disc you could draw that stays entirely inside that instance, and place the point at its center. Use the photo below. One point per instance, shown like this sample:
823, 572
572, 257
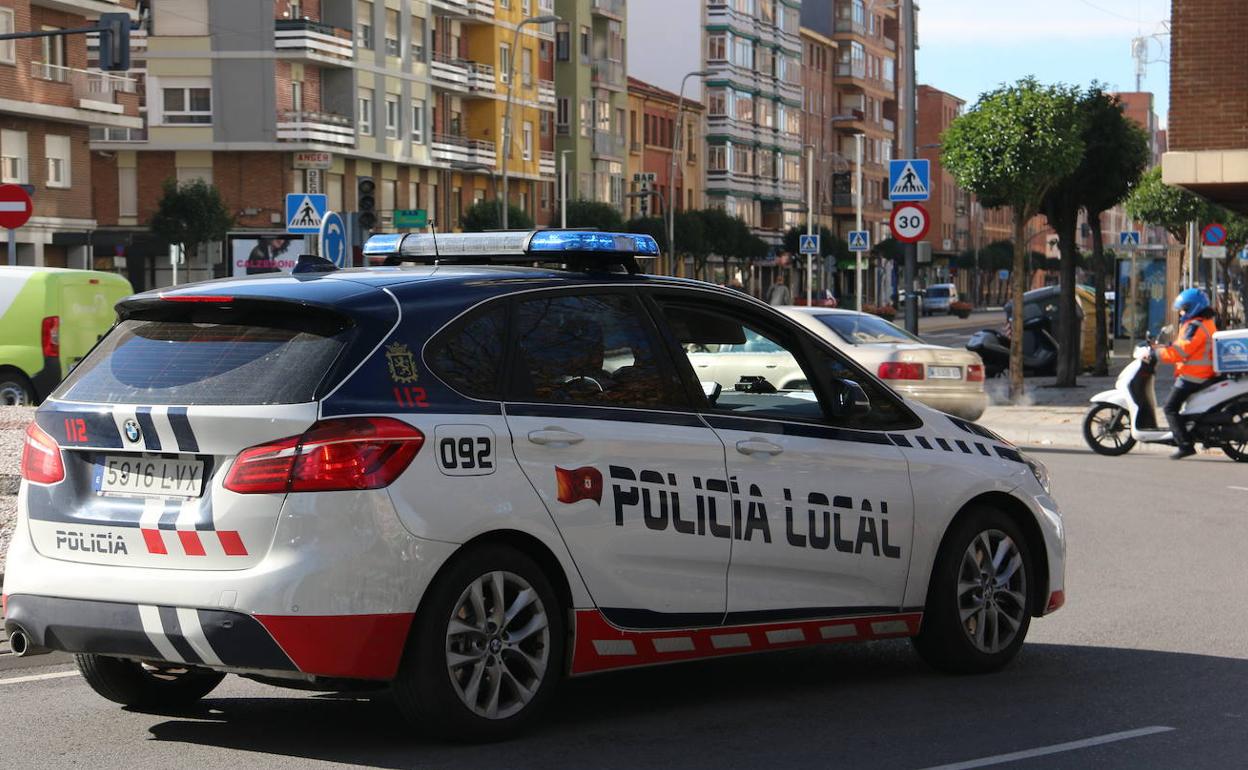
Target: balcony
546, 93
608, 144
546, 163
313, 41
112, 100
850, 26
316, 128
482, 9
449, 72
615, 8
608, 73
459, 149
481, 77
456, 8
109, 134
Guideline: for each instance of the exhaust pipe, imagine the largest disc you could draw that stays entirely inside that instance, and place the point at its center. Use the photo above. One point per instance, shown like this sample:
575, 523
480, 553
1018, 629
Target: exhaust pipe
22, 647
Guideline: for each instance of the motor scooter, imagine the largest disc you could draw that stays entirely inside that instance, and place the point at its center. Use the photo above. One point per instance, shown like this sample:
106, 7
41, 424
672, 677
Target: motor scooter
1039, 349
1216, 415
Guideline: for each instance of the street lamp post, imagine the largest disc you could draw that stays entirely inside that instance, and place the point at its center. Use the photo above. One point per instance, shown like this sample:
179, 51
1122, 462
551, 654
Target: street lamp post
810, 221
511, 77
563, 189
671, 175
858, 220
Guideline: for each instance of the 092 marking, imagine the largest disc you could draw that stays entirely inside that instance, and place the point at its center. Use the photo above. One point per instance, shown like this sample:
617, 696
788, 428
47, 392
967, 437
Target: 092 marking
465, 450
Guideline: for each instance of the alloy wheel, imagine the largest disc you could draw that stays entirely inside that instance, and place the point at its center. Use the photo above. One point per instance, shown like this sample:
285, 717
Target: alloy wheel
992, 591
498, 645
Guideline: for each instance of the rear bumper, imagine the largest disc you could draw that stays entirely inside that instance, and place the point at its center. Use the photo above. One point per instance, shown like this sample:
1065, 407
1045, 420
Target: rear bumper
967, 404
349, 646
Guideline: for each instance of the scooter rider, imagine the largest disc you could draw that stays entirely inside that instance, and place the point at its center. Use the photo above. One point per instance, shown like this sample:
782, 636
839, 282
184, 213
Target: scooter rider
1192, 356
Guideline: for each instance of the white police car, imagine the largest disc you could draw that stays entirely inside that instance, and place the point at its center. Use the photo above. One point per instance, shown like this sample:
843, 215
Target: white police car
468, 477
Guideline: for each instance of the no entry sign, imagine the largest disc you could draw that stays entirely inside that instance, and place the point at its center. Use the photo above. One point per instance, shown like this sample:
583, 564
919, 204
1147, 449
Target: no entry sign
15, 206
910, 222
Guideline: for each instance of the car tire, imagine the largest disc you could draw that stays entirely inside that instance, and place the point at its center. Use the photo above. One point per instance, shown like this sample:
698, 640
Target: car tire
133, 684
462, 617
961, 630
15, 388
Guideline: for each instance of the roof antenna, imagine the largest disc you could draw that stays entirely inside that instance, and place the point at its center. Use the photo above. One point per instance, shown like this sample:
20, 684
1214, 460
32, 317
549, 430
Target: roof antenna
433, 228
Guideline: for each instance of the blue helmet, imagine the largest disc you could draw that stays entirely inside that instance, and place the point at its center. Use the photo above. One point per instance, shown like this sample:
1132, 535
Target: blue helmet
1190, 303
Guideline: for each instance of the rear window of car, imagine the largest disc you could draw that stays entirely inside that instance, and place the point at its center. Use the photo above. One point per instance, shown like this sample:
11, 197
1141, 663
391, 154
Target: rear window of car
183, 362
866, 329
938, 292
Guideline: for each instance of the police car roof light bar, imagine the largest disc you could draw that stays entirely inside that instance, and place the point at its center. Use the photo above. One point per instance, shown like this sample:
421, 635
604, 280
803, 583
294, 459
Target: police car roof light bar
579, 249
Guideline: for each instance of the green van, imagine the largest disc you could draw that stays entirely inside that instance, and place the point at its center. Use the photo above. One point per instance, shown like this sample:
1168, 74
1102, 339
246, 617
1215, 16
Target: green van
49, 319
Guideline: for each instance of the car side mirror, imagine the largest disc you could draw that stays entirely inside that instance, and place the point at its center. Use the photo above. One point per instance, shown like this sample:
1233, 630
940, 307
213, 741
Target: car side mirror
849, 399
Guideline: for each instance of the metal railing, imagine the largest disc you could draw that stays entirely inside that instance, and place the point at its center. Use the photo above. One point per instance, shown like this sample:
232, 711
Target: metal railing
481, 76
614, 7
319, 127
546, 91
86, 84
608, 72
607, 143
314, 39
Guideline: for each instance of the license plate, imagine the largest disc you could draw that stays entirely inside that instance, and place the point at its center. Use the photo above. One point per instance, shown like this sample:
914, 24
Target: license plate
944, 372
154, 476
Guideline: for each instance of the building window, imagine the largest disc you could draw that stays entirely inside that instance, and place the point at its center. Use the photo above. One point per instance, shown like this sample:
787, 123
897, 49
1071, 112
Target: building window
13, 156
392, 34
393, 120
544, 124
127, 192
418, 121
527, 134
296, 95
418, 39
526, 67
504, 62
586, 44
365, 117
545, 188
717, 157
57, 150
7, 53
585, 118
562, 35
53, 56
716, 102
364, 24
190, 105
716, 48
561, 116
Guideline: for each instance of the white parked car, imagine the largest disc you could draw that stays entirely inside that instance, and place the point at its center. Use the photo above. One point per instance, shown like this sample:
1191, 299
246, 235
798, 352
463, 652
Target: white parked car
948, 379
462, 477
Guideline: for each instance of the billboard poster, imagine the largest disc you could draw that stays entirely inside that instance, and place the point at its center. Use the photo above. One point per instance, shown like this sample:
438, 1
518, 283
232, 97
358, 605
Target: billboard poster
256, 253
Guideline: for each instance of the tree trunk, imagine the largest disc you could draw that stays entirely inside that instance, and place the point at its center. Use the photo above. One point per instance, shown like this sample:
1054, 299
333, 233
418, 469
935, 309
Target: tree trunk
1069, 350
1101, 367
1020, 286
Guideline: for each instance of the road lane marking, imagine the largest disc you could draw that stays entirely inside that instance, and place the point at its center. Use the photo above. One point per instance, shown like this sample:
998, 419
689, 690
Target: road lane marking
1057, 748
38, 677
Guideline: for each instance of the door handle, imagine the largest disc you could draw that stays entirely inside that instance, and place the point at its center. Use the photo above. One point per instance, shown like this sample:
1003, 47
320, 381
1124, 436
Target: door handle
758, 446
555, 436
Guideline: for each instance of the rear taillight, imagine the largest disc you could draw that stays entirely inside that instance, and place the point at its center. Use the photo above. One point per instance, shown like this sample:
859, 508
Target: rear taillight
975, 373
41, 457
51, 336
352, 453
900, 370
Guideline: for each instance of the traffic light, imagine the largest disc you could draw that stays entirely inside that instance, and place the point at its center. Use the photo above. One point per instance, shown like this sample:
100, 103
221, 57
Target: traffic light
366, 202
114, 42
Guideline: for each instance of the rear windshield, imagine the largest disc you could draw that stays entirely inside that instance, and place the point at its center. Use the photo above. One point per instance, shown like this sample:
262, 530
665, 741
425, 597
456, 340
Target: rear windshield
865, 329
182, 362
938, 292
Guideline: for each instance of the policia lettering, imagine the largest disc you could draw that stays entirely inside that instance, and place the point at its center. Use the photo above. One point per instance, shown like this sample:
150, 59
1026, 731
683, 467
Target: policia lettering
825, 524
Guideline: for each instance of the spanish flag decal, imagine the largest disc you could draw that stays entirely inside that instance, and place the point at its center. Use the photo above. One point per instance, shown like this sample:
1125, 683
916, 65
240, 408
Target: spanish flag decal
579, 484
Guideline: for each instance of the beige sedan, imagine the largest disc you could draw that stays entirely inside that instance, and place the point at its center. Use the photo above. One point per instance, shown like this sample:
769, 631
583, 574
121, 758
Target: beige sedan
947, 379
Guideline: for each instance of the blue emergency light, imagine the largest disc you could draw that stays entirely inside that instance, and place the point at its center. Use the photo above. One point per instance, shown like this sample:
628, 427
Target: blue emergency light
579, 249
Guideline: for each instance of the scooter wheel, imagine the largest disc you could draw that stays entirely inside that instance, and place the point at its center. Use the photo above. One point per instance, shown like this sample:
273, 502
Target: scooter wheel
1107, 430
1237, 447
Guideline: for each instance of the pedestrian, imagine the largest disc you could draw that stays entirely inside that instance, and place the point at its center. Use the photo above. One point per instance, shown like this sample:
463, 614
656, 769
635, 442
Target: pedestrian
780, 293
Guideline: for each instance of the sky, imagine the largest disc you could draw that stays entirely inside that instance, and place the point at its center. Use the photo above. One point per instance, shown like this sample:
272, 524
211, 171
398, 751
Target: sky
966, 47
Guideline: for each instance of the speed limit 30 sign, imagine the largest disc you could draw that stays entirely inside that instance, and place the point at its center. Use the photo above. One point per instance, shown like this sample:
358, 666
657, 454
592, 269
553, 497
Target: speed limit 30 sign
909, 222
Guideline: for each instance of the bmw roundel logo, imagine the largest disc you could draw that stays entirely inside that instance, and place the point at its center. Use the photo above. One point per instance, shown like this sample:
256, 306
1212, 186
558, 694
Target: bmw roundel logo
132, 430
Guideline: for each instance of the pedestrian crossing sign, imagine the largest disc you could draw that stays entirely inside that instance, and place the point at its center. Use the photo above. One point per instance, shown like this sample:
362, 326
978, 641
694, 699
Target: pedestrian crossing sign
1129, 239
808, 244
908, 180
859, 240
304, 212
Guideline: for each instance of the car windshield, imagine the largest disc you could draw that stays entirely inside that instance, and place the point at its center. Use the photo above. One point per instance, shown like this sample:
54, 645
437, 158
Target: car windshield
865, 329
938, 292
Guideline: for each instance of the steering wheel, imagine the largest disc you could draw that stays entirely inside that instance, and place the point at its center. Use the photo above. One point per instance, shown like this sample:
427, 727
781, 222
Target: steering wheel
583, 378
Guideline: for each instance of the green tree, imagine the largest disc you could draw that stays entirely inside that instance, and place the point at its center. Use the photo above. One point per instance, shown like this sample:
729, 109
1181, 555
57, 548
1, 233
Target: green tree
1115, 156
692, 241
1010, 149
485, 215
190, 214
1157, 203
595, 215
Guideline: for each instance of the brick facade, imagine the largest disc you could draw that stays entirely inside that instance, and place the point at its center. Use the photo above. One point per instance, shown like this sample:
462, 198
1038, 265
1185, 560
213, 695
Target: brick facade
1208, 75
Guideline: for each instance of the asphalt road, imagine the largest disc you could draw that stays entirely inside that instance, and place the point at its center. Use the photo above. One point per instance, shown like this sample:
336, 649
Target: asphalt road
955, 332
1146, 666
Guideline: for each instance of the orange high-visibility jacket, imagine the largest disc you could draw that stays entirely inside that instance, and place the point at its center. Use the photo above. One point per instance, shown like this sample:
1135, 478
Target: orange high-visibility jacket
1192, 352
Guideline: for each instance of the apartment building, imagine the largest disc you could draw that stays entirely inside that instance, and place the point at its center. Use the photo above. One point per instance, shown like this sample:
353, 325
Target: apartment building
833, 180
654, 115
263, 98
49, 101
592, 97
752, 50
865, 77
950, 232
